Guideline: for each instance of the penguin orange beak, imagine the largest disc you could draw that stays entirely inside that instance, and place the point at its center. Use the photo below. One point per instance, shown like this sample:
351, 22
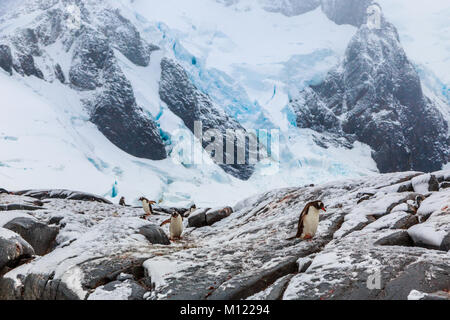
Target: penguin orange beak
324, 209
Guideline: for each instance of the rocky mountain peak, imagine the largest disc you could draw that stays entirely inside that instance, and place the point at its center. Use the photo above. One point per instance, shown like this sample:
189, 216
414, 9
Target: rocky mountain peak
376, 96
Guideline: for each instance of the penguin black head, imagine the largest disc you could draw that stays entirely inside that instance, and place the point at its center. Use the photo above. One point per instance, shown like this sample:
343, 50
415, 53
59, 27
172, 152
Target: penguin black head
175, 214
319, 205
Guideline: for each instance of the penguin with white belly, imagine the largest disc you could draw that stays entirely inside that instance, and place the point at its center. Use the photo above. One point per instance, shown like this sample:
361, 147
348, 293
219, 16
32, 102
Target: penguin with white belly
309, 220
176, 226
147, 206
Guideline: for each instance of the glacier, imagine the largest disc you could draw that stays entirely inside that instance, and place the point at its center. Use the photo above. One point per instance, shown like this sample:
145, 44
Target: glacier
248, 67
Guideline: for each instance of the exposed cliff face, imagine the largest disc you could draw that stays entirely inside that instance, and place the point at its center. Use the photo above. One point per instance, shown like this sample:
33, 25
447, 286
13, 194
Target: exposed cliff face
375, 95
191, 105
92, 68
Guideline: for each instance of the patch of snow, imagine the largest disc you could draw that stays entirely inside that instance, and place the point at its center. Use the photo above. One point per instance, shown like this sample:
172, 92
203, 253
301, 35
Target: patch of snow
122, 292
416, 295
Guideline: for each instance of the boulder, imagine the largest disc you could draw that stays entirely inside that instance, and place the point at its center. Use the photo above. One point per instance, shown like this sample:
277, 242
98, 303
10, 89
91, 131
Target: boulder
62, 194
197, 219
425, 183
154, 234
400, 238
444, 185
215, 215
13, 248
39, 235
395, 220
117, 290
434, 233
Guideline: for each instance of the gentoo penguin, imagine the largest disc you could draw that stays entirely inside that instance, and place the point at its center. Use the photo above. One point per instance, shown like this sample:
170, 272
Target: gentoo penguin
191, 209
309, 220
176, 225
147, 205
122, 202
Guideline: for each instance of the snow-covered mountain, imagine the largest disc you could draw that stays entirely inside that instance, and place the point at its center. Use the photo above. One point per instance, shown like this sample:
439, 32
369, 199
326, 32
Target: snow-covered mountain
95, 107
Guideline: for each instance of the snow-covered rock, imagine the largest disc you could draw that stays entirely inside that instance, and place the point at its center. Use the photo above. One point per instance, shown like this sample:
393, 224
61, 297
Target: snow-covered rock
103, 251
39, 235
375, 95
40, 43
191, 105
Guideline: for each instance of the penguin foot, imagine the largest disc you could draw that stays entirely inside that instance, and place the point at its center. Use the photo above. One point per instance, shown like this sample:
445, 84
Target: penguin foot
308, 237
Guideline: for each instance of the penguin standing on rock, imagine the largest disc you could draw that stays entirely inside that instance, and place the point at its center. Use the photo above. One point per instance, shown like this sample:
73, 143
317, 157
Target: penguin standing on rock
309, 220
147, 205
176, 225
122, 202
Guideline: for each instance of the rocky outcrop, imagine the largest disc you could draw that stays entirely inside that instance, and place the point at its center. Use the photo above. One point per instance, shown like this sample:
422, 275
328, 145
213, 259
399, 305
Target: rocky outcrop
208, 217
375, 95
13, 249
154, 235
364, 249
61, 194
40, 236
111, 103
191, 105
6, 58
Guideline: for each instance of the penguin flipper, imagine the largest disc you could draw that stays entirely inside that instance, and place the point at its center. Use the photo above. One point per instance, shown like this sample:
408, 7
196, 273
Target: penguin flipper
165, 222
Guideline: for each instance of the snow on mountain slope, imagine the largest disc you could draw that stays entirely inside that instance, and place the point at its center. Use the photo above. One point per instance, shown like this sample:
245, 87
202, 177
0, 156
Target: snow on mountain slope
47, 140
425, 34
73, 145
259, 49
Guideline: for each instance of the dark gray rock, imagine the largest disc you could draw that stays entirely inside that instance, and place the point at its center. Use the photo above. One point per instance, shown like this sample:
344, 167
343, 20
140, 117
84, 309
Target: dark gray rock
117, 116
26, 66
406, 187
445, 185
445, 245
431, 180
415, 276
14, 207
6, 61
242, 287
60, 74
137, 292
13, 249
215, 215
197, 219
191, 105
3, 191
276, 293
91, 54
40, 236
154, 234
125, 38
377, 94
36, 287
400, 238
61, 194
406, 222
